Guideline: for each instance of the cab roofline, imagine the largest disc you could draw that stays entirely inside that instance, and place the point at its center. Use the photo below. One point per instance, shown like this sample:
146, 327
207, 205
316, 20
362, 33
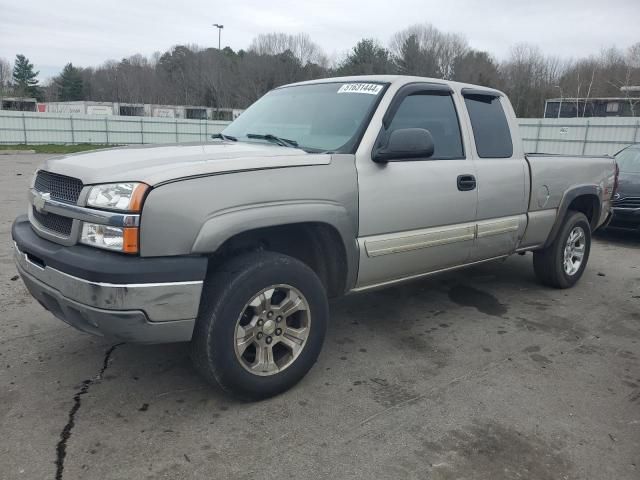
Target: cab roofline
396, 80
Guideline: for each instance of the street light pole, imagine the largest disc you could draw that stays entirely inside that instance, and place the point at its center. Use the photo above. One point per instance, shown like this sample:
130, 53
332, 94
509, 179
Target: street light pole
561, 96
219, 27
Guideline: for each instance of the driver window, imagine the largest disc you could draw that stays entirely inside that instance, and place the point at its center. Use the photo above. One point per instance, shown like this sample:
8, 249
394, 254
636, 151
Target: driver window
437, 114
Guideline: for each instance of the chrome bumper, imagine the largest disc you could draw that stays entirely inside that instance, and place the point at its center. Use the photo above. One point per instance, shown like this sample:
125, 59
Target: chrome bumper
144, 312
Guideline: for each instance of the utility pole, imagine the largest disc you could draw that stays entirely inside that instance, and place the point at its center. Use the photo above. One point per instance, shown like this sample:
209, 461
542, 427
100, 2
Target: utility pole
219, 27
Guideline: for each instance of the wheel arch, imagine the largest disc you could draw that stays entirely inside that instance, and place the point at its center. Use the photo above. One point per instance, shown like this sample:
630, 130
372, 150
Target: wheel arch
320, 234
585, 199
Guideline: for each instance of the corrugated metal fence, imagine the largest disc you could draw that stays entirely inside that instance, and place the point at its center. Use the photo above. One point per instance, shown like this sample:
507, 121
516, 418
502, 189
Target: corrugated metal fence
577, 136
41, 128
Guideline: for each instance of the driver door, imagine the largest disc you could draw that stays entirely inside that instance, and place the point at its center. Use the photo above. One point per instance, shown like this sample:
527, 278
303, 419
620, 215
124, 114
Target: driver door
417, 215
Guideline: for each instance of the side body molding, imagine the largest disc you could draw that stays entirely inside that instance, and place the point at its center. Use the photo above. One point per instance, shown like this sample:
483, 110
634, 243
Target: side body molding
227, 223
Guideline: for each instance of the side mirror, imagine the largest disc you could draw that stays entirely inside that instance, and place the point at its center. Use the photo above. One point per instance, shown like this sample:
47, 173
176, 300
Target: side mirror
405, 143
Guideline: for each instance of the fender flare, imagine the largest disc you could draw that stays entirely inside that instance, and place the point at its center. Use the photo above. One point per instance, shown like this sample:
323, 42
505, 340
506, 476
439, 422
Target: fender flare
570, 196
225, 224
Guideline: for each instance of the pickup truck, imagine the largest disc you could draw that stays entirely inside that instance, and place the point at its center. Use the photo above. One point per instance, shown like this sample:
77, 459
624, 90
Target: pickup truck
319, 189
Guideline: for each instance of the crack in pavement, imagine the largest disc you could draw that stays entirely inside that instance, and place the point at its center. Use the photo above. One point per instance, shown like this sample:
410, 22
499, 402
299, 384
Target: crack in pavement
61, 447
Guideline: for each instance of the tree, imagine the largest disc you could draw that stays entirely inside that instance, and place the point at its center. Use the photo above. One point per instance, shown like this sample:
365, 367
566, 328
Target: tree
367, 58
24, 78
426, 51
477, 68
412, 59
610, 74
69, 84
530, 78
300, 45
191, 75
5, 76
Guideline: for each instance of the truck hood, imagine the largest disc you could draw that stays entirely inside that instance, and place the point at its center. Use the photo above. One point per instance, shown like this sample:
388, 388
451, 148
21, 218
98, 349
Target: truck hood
629, 184
159, 164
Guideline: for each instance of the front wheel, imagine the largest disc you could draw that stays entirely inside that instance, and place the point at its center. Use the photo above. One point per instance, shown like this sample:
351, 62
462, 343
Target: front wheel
261, 326
562, 263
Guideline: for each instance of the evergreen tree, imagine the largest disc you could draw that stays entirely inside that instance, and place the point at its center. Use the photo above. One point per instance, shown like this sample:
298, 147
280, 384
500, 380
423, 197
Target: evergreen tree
367, 58
69, 84
24, 78
414, 59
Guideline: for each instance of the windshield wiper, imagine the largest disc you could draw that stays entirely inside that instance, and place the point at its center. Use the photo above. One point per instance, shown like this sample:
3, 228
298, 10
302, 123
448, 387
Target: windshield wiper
283, 142
222, 136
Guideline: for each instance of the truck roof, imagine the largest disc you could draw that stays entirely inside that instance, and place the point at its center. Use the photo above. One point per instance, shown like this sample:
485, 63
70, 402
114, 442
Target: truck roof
397, 80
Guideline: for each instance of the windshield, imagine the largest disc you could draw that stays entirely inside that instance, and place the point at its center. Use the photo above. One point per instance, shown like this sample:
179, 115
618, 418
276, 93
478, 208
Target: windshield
629, 160
318, 117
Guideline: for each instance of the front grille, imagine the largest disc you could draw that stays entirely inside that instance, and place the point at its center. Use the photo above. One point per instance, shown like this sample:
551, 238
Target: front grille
62, 188
55, 223
629, 202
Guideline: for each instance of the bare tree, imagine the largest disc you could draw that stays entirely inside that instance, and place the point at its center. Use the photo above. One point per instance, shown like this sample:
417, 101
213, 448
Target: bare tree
632, 78
610, 74
300, 45
424, 50
478, 68
529, 78
192, 75
5, 76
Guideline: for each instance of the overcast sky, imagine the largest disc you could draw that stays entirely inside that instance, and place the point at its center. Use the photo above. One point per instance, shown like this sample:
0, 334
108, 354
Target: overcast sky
52, 32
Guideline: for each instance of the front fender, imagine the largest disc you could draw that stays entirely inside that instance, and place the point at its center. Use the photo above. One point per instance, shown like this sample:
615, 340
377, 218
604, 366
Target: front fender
225, 224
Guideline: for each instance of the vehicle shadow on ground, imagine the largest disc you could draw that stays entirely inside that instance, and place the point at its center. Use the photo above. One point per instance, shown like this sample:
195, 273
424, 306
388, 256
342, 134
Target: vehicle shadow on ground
619, 237
407, 315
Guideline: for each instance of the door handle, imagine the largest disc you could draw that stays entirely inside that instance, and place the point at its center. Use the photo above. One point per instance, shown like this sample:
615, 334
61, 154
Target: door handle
466, 183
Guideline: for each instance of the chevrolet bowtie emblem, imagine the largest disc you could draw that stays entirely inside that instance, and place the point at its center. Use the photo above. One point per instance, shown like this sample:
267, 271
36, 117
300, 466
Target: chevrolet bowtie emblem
39, 200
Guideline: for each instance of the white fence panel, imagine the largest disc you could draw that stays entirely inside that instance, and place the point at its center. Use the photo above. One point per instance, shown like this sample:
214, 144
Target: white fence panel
579, 136
40, 128
572, 136
12, 129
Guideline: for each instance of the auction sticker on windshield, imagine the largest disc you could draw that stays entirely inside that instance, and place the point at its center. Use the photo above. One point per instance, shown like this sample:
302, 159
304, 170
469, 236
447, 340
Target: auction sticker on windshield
370, 88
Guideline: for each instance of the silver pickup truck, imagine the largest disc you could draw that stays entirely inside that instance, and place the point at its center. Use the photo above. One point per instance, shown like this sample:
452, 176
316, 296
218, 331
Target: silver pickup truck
319, 189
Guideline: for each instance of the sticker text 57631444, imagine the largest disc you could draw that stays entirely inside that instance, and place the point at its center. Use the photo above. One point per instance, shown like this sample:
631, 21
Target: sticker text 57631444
370, 88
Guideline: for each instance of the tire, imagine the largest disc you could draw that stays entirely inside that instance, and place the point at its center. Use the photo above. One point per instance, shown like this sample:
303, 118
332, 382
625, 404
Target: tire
549, 263
226, 320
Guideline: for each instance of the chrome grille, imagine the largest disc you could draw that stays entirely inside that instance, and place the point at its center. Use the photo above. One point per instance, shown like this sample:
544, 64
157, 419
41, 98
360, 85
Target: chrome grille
55, 223
629, 202
62, 188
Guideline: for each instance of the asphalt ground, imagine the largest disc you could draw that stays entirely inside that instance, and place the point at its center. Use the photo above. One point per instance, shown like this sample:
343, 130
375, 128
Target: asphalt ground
478, 374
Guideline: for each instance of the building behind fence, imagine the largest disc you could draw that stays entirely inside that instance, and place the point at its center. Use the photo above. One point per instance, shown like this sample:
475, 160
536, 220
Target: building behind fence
571, 136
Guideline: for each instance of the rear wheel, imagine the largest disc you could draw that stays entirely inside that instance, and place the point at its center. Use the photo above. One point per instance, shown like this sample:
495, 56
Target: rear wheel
262, 324
562, 263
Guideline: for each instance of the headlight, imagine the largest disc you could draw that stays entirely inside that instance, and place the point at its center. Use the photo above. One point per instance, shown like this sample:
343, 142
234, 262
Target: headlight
119, 239
118, 196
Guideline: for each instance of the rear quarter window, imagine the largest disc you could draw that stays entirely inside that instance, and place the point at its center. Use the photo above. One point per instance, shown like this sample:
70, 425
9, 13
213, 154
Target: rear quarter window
490, 126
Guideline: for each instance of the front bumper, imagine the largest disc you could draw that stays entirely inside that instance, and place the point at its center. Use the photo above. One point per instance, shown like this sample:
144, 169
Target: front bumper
625, 218
133, 299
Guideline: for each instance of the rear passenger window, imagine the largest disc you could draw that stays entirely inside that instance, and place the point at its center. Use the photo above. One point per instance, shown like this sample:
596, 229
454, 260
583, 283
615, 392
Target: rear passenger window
490, 127
437, 114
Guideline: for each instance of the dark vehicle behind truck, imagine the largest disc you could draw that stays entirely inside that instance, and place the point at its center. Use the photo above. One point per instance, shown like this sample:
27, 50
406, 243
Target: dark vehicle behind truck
626, 201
